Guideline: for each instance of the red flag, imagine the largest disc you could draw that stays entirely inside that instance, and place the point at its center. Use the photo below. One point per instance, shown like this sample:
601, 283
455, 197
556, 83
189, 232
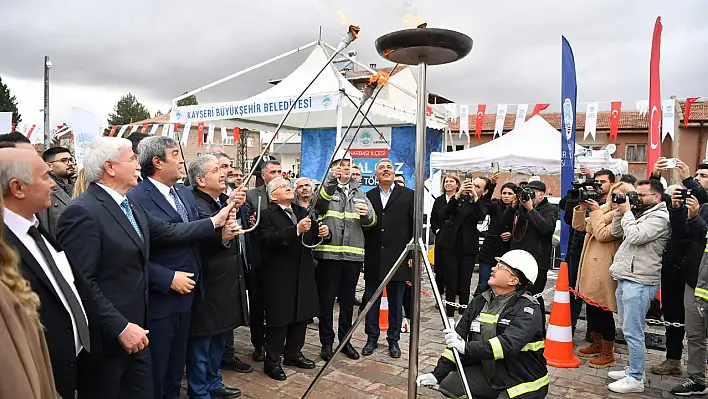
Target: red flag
237, 135
144, 128
479, 120
428, 111
200, 134
13, 128
654, 151
689, 101
176, 126
538, 108
616, 110
29, 134
113, 131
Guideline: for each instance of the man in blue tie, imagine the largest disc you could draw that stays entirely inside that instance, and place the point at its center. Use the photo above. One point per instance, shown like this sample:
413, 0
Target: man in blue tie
173, 271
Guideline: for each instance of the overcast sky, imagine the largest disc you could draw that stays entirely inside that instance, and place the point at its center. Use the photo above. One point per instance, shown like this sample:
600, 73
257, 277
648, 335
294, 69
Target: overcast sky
159, 49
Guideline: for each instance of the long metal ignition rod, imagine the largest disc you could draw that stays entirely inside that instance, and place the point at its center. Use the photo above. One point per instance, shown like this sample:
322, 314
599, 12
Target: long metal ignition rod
348, 38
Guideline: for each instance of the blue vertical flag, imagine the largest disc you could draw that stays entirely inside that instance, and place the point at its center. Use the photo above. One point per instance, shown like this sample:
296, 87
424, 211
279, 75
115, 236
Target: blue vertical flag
569, 95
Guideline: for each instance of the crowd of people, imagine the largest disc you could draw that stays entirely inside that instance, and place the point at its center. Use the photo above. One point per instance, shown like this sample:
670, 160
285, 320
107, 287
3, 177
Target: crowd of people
120, 278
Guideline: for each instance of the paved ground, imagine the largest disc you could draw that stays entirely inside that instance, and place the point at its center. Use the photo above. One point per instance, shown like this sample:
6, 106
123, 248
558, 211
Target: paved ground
380, 376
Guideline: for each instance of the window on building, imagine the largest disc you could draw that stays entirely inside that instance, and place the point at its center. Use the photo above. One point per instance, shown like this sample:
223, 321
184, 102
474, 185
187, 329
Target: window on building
228, 141
248, 164
636, 153
249, 142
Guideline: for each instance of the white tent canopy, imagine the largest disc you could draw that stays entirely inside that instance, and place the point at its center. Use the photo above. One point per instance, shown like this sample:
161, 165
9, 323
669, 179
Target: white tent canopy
328, 108
532, 148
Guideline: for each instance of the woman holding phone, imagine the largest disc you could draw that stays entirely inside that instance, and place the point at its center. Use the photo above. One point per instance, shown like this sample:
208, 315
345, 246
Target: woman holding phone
458, 242
451, 184
496, 242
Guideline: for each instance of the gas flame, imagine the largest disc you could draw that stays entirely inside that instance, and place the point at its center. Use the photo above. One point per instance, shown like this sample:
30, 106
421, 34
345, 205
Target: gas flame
343, 18
411, 20
379, 79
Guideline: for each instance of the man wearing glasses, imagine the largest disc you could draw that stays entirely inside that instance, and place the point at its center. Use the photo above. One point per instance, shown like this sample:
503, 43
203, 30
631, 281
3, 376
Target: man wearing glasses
63, 166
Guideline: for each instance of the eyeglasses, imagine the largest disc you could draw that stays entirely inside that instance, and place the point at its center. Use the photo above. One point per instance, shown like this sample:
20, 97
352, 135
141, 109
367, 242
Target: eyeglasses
65, 161
507, 268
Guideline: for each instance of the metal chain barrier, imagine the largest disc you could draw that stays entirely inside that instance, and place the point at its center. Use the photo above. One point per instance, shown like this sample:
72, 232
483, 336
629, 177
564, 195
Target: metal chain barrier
656, 322
459, 306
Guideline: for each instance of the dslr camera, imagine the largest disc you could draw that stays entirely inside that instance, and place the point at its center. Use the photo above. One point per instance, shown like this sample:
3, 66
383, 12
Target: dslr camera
583, 190
619, 198
525, 194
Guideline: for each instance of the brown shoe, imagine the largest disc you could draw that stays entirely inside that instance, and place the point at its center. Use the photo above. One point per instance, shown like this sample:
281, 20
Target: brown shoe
668, 366
595, 349
606, 358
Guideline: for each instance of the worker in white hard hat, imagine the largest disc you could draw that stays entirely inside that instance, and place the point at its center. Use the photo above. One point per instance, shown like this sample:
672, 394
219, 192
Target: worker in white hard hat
342, 205
500, 338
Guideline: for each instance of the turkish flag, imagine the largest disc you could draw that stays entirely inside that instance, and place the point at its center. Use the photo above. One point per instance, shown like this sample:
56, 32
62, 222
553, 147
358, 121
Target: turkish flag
616, 110
538, 108
113, 131
144, 128
479, 120
200, 134
428, 111
654, 151
237, 135
13, 128
689, 101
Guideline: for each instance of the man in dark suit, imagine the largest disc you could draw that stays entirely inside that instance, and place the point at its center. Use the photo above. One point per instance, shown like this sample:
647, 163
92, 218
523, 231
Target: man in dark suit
290, 290
173, 271
66, 310
109, 237
271, 170
63, 167
394, 206
260, 164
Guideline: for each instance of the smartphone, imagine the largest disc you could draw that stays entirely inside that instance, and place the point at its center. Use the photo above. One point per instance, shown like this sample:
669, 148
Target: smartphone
495, 167
468, 176
671, 163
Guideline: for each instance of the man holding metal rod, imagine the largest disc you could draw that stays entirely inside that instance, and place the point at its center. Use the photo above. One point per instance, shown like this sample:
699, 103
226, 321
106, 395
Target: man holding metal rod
344, 208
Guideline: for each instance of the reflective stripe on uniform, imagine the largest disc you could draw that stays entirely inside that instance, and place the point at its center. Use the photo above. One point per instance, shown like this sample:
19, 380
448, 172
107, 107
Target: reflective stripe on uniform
527, 387
447, 354
373, 221
339, 249
488, 318
534, 346
338, 215
497, 348
701, 293
324, 194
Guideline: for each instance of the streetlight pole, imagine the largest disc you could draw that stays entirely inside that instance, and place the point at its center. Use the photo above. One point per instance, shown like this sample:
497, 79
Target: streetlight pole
47, 136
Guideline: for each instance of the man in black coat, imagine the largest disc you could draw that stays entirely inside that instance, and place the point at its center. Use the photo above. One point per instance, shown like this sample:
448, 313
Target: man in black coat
385, 243
67, 311
288, 273
109, 237
271, 170
220, 299
533, 223
259, 165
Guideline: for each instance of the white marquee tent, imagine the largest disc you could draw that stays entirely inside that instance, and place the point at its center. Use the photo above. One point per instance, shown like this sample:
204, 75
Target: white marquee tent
327, 108
532, 148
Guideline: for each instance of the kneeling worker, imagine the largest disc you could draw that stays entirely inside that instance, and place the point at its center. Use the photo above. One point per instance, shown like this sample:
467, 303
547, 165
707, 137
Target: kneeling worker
500, 338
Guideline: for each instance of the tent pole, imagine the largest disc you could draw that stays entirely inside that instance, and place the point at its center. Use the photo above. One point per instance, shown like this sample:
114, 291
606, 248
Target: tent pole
241, 72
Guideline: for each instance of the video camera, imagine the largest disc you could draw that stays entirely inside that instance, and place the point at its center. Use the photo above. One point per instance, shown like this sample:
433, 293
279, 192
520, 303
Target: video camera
525, 194
584, 190
619, 198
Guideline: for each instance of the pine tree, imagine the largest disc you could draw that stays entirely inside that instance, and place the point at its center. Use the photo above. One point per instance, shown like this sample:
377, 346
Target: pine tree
128, 110
190, 100
8, 103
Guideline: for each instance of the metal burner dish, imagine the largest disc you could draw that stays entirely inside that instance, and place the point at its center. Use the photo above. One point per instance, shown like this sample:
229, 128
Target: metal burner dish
432, 45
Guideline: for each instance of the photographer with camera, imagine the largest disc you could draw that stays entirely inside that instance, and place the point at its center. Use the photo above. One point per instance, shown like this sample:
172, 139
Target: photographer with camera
595, 187
644, 227
595, 285
697, 183
457, 244
533, 221
689, 224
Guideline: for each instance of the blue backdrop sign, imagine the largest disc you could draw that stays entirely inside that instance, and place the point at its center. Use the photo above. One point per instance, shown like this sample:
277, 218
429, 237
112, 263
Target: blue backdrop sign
396, 143
569, 95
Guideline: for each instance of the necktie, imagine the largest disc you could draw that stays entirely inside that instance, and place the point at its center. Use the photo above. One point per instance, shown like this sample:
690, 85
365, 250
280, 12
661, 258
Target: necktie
129, 213
179, 207
71, 299
290, 213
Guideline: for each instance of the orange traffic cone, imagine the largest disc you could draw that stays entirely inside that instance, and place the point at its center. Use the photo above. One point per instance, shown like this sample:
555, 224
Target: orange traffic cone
383, 312
559, 335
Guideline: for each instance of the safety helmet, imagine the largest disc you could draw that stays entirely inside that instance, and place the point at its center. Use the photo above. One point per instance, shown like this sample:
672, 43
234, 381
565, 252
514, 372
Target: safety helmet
341, 155
520, 260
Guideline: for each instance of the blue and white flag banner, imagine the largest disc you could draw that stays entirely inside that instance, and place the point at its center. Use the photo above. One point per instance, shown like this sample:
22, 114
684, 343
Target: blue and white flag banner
253, 108
569, 97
